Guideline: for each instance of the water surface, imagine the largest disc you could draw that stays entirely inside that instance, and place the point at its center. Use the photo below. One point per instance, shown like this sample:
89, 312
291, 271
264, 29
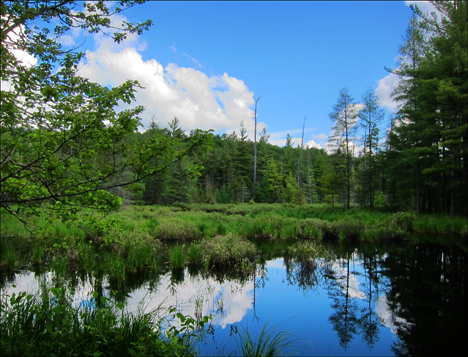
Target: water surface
359, 300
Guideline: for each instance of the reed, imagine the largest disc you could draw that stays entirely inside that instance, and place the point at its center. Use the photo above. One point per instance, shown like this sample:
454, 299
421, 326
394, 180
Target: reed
195, 254
270, 342
177, 256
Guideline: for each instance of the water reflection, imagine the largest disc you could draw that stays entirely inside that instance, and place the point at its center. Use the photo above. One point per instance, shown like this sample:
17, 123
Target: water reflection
366, 300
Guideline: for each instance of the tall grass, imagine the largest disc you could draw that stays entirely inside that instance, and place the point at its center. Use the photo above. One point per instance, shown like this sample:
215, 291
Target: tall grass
140, 237
47, 323
177, 256
270, 342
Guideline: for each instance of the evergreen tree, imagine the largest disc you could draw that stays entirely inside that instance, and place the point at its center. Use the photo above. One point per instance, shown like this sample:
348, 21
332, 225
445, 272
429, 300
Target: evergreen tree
345, 116
370, 116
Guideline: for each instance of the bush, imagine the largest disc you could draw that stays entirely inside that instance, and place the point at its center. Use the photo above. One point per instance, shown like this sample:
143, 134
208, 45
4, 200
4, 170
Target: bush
401, 221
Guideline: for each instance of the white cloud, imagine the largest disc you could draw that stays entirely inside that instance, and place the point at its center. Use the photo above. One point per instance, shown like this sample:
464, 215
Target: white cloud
384, 91
313, 144
347, 281
218, 102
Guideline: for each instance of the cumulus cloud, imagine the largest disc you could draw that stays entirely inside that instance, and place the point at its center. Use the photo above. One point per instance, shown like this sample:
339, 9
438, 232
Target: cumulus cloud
218, 102
11, 40
313, 144
384, 91
279, 138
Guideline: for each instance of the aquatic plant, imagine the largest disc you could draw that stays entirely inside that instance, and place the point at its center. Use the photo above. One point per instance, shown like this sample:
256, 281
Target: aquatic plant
228, 249
194, 254
307, 250
177, 256
46, 323
270, 342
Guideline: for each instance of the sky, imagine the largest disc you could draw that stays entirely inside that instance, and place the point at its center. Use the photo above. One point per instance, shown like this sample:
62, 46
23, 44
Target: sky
206, 62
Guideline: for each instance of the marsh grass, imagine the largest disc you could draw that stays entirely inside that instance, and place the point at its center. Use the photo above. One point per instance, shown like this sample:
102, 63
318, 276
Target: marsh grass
177, 256
269, 343
115, 267
439, 224
228, 250
135, 235
194, 254
46, 323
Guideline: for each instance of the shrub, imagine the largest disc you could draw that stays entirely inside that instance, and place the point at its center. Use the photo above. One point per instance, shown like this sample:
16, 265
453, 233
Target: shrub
401, 221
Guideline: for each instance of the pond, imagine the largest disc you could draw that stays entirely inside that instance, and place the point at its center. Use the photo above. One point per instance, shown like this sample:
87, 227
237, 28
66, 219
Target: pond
358, 300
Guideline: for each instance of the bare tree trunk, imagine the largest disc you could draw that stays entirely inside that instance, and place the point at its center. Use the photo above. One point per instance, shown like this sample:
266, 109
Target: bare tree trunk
300, 156
255, 150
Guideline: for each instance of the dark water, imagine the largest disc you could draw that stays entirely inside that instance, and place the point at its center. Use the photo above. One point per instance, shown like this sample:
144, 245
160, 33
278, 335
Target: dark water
360, 300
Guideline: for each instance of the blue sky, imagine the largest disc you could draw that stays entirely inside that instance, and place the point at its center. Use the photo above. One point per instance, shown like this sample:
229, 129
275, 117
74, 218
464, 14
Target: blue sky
205, 62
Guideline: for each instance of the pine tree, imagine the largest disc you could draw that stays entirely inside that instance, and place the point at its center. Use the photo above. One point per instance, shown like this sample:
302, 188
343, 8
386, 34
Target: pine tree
345, 116
370, 116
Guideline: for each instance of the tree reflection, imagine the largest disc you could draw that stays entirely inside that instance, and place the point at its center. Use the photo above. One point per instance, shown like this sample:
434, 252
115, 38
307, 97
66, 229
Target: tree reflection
428, 299
369, 320
345, 320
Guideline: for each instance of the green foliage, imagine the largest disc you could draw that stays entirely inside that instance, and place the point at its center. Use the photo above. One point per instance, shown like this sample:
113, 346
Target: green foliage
194, 254
427, 144
401, 221
47, 323
187, 332
58, 141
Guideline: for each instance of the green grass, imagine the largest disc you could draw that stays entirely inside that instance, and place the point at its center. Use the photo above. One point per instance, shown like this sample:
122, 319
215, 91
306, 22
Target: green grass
138, 238
269, 343
177, 256
194, 254
46, 323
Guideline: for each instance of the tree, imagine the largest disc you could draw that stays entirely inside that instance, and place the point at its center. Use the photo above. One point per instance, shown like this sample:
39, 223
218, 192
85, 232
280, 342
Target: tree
275, 179
63, 144
370, 116
430, 141
331, 182
344, 115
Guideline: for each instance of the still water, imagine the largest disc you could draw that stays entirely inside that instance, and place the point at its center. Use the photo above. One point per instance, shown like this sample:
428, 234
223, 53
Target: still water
359, 300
